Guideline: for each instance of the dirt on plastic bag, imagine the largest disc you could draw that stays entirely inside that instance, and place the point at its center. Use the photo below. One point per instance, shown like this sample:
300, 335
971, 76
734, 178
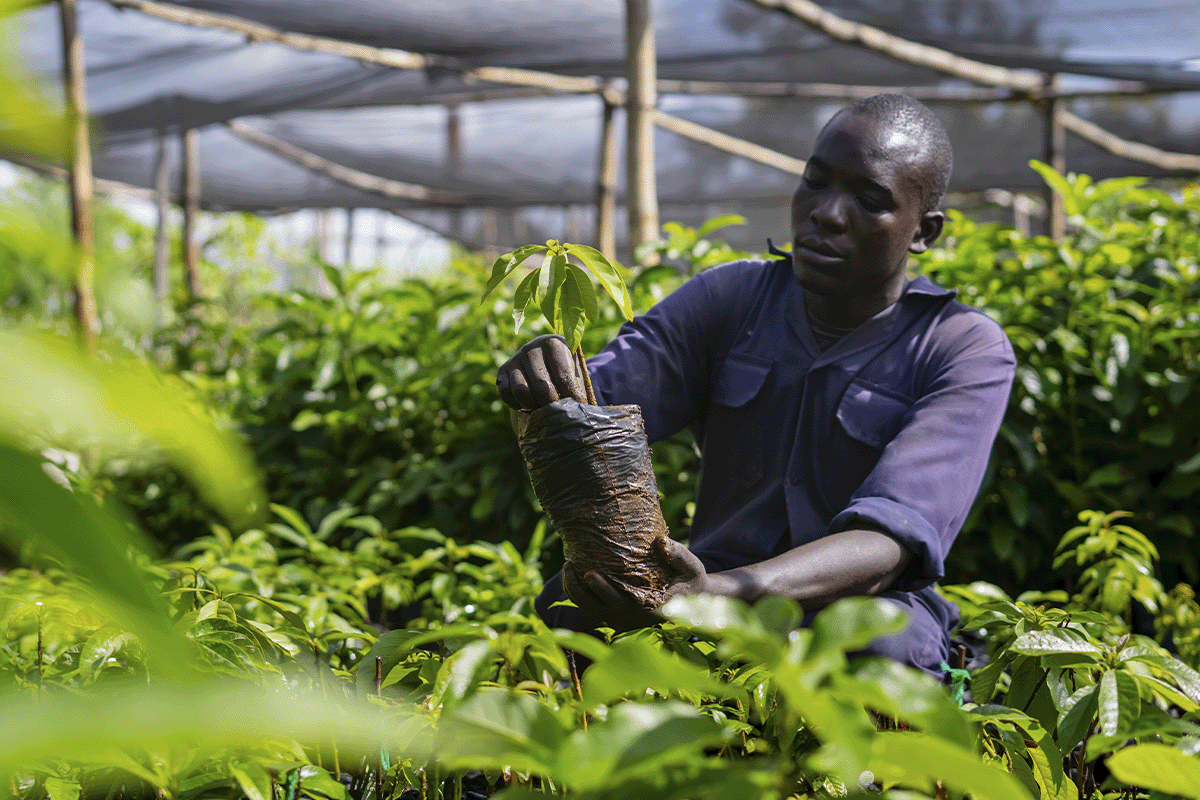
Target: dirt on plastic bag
590, 468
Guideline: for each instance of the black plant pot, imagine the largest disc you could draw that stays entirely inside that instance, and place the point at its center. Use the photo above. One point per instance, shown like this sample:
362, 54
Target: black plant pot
590, 468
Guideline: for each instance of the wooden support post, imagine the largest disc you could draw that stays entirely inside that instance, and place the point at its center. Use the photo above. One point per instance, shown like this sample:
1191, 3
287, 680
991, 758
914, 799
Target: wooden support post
454, 161
606, 180
348, 254
162, 238
191, 211
1054, 154
641, 189
79, 167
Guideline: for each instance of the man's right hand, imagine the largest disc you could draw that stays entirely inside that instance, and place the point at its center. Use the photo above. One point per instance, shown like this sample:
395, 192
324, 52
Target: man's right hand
542, 371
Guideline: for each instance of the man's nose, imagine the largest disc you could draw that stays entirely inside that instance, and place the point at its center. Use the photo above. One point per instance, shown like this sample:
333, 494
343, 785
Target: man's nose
829, 212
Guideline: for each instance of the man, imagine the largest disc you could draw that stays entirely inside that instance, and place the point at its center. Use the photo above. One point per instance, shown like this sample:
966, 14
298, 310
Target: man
845, 413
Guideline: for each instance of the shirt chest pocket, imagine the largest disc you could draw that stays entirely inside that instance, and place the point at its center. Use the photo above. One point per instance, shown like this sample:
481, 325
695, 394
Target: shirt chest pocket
868, 417
736, 430
871, 415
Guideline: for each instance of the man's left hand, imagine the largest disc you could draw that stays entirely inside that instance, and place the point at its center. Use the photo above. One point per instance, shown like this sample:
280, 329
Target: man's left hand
610, 603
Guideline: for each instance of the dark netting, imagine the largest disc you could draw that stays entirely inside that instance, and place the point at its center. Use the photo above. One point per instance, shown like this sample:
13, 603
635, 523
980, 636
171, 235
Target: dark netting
148, 77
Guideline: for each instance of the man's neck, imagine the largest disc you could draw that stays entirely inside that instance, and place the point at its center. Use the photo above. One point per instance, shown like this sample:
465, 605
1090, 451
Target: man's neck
848, 312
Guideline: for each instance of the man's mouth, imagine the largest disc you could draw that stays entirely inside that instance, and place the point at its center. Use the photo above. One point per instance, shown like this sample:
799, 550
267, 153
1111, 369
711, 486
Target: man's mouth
817, 251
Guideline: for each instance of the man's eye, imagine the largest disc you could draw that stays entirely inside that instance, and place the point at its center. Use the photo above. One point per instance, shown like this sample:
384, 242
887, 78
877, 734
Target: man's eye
869, 204
813, 183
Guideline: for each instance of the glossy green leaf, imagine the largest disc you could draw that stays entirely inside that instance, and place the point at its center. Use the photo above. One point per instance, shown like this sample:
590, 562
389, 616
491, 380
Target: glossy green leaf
572, 310
633, 666
921, 756
523, 296
1053, 641
1077, 717
550, 284
586, 292
461, 674
606, 273
1157, 767
1059, 184
390, 649
496, 728
253, 779
1119, 703
507, 262
854, 622
636, 740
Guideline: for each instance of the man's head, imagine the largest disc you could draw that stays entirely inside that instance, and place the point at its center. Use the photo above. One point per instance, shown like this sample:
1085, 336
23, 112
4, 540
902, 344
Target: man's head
869, 197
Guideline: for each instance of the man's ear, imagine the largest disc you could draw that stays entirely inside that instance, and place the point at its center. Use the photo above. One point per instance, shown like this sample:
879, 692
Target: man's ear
928, 231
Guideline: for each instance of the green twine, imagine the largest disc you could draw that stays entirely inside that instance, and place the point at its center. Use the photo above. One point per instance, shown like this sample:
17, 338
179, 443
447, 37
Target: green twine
958, 682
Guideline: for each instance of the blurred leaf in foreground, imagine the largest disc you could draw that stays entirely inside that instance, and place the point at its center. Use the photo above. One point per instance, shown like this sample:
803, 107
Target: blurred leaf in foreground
124, 408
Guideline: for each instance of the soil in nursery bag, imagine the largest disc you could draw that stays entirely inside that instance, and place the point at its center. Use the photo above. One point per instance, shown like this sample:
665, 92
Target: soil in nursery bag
590, 468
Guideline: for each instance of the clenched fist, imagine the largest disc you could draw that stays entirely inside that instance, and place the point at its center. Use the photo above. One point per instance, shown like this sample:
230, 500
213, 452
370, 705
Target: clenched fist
542, 371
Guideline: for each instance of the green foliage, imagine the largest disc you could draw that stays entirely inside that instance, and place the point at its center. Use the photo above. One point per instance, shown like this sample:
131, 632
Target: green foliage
1103, 413
1071, 685
564, 292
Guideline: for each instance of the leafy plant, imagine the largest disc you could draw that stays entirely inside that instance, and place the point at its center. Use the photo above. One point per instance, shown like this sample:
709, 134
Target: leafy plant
563, 291
1103, 412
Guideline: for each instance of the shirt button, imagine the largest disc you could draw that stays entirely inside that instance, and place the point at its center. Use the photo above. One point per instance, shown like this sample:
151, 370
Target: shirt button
794, 477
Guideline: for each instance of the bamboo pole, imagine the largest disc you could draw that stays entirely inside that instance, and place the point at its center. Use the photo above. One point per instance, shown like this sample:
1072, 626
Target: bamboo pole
1137, 151
454, 160
937, 94
730, 144
79, 173
606, 180
162, 242
641, 189
843, 30
1054, 143
395, 190
99, 185
348, 251
191, 211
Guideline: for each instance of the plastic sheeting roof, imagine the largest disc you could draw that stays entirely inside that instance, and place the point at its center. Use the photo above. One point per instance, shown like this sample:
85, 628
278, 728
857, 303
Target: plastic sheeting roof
147, 76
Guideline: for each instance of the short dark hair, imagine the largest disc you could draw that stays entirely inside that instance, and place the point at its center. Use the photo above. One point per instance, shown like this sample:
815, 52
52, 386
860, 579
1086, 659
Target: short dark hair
902, 111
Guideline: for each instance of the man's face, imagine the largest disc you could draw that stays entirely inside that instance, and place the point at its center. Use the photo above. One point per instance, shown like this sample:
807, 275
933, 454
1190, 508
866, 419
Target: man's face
856, 214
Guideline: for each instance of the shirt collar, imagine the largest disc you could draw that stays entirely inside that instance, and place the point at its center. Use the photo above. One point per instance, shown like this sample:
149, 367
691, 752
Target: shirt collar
873, 333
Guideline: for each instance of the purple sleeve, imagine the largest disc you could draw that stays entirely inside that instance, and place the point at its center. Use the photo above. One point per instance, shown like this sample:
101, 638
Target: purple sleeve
929, 474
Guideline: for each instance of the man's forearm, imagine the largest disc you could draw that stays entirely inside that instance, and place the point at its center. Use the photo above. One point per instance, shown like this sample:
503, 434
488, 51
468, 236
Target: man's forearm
845, 564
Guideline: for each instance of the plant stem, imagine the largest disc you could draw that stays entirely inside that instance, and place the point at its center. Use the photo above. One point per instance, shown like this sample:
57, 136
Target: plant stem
587, 379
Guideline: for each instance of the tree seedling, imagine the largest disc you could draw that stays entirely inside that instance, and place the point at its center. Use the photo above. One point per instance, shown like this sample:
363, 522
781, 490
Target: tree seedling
563, 291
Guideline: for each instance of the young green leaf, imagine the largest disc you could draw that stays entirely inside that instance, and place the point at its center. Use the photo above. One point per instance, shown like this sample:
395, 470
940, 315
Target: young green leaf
523, 296
606, 273
1059, 184
573, 312
719, 222
587, 292
507, 262
1119, 702
553, 274
1157, 767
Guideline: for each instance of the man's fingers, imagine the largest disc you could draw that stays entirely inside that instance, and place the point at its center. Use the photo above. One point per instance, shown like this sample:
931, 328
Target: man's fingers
563, 369
519, 391
538, 378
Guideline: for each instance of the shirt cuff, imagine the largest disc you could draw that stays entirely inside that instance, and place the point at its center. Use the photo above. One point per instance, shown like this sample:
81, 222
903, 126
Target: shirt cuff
908, 528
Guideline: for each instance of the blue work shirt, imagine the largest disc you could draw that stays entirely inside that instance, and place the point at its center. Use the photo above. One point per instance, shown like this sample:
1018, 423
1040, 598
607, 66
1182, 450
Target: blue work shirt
891, 427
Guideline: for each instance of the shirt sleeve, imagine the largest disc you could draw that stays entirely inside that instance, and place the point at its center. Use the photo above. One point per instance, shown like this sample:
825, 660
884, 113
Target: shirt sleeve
922, 488
662, 359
